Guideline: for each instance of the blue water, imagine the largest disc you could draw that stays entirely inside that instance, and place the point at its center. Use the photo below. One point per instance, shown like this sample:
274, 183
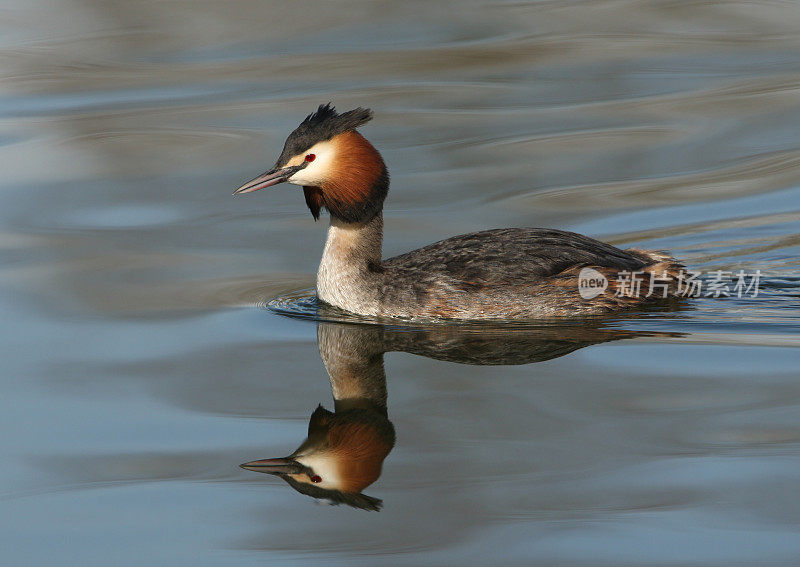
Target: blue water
158, 332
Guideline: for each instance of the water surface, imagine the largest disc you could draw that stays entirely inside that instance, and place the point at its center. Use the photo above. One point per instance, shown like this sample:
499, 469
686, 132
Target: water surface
142, 364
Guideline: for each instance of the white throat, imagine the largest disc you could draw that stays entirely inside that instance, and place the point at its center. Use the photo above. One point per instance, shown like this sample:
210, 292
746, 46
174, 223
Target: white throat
346, 277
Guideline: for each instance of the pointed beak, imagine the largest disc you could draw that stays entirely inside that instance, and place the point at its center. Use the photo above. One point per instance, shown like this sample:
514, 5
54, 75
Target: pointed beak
274, 466
272, 177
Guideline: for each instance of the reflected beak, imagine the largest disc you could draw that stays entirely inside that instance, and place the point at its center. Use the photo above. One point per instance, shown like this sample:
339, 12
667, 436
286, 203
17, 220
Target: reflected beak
274, 466
272, 177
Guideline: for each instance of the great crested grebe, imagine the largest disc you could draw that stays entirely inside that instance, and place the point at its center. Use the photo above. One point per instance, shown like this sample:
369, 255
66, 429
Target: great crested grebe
507, 273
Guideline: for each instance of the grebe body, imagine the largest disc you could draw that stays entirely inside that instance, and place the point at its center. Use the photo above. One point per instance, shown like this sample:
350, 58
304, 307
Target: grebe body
509, 273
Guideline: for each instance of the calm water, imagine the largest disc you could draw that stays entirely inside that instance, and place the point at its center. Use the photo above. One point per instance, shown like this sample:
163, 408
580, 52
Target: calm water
141, 365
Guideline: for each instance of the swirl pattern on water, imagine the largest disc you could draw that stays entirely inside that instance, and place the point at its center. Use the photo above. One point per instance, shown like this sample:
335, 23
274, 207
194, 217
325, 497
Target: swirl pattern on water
159, 330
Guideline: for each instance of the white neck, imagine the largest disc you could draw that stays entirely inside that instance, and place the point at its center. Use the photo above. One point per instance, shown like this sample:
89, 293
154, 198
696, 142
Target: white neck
347, 276
353, 357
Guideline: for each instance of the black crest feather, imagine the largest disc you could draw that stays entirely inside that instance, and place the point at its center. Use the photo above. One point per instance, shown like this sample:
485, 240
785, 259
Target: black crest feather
322, 125
336, 497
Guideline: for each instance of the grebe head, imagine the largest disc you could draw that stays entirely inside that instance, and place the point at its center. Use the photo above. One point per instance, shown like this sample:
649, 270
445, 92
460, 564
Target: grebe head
342, 455
336, 166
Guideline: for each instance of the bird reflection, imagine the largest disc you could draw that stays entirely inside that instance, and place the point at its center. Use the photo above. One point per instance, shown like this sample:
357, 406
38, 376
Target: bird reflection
344, 451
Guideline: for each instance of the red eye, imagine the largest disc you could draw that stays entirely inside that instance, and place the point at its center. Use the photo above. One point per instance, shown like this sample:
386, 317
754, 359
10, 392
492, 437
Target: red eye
311, 157
315, 479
